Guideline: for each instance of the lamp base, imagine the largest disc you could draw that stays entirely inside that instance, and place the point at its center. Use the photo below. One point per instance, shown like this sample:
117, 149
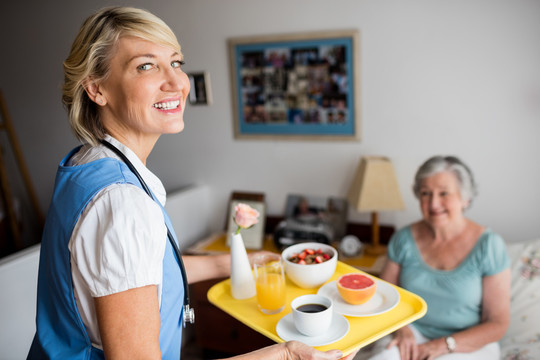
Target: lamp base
375, 250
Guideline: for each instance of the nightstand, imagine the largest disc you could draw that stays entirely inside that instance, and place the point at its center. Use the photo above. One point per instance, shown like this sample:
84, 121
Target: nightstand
216, 244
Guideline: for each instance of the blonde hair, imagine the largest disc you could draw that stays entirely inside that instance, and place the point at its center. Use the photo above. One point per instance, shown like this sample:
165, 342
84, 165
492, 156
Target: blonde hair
90, 56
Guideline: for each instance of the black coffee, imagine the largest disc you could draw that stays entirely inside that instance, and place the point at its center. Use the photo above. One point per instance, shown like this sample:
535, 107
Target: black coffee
311, 308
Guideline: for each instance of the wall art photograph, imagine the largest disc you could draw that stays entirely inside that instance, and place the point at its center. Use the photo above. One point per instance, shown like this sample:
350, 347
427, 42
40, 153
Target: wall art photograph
296, 85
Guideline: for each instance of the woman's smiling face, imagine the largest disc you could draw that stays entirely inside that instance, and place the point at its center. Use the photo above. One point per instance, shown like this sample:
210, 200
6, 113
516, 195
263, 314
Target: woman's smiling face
146, 91
440, 199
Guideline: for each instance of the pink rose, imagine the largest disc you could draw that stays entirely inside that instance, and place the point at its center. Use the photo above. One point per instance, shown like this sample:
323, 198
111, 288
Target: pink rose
245, 216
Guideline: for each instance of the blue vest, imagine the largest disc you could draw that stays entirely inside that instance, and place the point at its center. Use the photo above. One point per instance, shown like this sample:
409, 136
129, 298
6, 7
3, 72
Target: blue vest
60, 331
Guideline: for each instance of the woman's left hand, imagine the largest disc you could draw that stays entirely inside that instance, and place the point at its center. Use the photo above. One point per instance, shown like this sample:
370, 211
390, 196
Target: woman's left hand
406, 344
432, 349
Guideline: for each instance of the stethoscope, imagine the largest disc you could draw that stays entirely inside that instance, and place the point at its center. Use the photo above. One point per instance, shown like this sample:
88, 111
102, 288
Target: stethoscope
189, 312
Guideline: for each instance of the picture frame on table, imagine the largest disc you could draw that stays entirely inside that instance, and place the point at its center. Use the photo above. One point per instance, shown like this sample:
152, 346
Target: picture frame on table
303, 86
254, 236
309, 209
200, 93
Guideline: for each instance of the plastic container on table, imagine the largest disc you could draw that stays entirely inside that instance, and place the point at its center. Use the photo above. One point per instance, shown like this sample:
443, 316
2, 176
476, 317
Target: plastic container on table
363, 329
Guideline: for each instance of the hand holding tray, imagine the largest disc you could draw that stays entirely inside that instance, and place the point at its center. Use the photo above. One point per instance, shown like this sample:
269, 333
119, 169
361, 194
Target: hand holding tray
363, 329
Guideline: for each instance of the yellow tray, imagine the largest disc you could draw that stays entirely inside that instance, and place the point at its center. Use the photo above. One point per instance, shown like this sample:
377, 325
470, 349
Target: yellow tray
363, 330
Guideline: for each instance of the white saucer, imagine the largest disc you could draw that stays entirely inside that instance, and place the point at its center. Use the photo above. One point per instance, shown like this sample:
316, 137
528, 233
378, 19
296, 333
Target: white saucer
385, 299
338, 329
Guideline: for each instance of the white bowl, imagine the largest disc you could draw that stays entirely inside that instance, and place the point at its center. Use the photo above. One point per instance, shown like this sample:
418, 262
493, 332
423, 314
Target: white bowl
312, 275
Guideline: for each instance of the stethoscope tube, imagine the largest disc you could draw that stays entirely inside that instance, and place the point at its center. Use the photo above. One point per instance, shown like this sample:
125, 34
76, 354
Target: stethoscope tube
189, 313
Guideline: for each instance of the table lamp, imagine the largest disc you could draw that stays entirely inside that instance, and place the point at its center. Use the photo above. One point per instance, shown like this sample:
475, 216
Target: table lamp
375, 188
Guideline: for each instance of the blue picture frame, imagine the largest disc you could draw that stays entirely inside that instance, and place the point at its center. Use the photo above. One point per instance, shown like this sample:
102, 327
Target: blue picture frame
297, 86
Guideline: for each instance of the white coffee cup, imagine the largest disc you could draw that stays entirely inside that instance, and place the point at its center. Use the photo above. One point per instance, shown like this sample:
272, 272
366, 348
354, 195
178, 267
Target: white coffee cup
312, 314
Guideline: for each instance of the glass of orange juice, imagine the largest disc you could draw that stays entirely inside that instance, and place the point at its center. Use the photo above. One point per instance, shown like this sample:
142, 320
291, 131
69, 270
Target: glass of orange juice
270, 283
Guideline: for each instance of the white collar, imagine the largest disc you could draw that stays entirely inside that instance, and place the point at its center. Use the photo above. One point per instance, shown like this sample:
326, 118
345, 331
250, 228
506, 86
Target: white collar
151, 180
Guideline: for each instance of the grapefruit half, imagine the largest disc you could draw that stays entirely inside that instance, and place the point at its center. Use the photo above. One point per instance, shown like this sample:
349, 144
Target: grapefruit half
356, 288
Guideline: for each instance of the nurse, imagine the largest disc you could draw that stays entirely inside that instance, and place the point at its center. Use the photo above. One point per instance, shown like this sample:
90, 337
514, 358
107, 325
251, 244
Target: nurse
110, 283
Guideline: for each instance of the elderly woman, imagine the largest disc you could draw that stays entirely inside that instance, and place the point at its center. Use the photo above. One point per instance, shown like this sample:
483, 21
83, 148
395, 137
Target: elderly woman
111, 280
459, 267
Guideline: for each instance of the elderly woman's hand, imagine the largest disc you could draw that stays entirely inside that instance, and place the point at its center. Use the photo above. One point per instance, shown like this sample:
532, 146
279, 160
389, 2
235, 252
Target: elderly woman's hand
432, 349
406, 343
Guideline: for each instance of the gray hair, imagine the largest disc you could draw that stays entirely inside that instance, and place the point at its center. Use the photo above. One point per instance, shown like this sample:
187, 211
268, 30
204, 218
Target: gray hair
437, 164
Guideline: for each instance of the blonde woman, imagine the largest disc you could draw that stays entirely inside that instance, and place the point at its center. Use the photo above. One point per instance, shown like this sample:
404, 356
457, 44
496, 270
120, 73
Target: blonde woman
112, 283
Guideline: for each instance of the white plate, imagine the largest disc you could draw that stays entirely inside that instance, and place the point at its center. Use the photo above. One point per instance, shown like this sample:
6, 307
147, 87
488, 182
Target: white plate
385, 299
338, 329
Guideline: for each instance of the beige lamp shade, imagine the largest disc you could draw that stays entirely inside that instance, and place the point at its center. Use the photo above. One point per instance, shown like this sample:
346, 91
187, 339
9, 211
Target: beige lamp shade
375, 186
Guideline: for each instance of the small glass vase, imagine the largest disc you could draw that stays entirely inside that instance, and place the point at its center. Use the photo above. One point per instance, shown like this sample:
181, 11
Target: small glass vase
242, 280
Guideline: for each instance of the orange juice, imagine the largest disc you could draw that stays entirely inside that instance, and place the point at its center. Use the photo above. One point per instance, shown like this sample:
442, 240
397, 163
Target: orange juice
270, 291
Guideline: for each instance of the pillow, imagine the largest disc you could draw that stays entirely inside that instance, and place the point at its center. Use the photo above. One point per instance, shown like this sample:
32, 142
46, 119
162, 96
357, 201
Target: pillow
522, 340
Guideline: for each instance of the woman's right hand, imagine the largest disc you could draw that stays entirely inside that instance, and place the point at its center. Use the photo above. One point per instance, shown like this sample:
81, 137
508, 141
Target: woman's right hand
294, 350
406, 343
300, 351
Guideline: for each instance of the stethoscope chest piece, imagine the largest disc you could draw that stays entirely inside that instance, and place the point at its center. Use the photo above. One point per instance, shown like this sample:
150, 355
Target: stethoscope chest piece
189, 315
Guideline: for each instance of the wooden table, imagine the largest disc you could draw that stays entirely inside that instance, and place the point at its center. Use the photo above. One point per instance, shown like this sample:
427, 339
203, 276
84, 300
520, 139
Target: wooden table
217, 244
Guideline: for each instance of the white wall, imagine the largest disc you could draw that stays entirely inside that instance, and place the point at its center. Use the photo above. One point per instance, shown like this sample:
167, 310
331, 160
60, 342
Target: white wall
439, 77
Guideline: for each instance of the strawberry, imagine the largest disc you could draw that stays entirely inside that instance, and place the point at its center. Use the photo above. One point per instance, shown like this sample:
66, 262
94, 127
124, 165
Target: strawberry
310, 256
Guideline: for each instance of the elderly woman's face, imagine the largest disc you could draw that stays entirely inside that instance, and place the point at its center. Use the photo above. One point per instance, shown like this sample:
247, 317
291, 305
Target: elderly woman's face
146, 91
440, 199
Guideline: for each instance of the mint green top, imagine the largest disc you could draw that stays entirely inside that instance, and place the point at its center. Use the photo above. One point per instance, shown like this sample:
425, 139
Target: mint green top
454, 297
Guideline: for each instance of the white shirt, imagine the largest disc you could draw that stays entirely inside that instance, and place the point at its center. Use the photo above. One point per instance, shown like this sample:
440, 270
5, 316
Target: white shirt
119, 240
